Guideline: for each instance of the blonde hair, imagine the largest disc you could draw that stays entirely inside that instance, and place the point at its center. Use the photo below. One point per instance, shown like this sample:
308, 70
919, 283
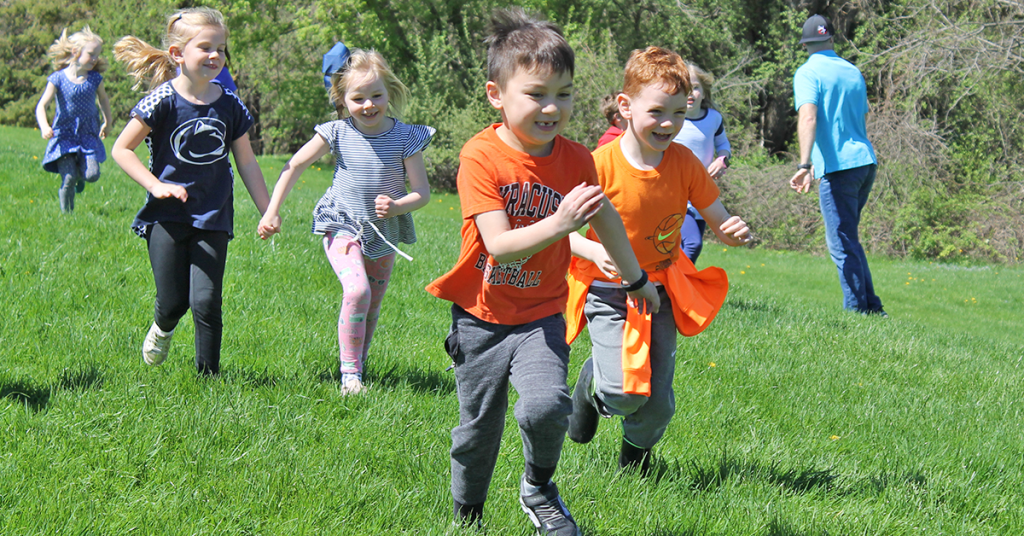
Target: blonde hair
707, 80
155, 65
361, 63
66, 49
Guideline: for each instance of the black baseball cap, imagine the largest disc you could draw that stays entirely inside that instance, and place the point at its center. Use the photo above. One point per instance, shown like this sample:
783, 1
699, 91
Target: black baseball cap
817, 28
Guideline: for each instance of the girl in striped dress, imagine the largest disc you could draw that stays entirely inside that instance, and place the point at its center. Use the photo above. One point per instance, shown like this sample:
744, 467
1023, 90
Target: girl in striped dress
366, 210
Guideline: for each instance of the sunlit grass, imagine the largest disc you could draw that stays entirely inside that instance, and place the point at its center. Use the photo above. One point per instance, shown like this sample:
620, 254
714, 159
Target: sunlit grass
793, 417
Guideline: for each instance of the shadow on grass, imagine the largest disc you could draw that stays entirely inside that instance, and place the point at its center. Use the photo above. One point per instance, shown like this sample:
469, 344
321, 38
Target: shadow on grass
778, 527
420, 381
752, 306
716, 474
252, 378
37, 398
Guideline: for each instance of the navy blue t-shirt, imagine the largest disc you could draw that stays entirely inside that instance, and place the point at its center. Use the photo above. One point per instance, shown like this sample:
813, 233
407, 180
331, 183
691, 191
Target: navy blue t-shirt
189, 145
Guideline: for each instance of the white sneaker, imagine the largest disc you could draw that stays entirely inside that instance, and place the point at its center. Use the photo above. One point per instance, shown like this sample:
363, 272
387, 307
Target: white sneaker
156, 345
352, 384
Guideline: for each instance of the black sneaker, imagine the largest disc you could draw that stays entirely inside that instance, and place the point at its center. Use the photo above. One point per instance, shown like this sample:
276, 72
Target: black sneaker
547, 511
585, 417
634, 458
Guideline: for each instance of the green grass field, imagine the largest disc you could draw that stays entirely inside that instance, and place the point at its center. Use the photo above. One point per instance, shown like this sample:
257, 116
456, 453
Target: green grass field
793, 417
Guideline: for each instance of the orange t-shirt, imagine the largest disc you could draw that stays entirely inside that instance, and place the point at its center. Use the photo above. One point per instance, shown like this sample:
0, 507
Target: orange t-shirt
652, 203
493, 176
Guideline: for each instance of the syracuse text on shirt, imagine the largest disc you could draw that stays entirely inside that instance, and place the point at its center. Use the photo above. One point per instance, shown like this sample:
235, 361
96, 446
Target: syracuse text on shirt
522, 201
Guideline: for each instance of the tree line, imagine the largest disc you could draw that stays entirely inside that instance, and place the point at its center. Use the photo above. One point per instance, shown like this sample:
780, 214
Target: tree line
944, 81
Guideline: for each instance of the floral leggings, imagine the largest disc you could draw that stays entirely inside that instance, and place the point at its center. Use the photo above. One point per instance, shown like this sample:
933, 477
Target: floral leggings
364, 281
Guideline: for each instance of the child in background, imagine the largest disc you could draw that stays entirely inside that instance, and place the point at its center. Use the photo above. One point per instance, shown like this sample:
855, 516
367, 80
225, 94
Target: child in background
649, 180
189, 125
704, 134
610, 109
75, 150
367, 208
524, 190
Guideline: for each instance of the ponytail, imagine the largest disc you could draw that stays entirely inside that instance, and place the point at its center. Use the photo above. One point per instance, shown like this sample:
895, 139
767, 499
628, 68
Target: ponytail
145, 62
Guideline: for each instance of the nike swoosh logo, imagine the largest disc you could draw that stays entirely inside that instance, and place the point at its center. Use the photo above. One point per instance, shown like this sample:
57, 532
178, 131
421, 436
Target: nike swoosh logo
662, 237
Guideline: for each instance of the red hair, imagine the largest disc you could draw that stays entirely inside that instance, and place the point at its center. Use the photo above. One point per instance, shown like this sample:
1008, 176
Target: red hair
655, 65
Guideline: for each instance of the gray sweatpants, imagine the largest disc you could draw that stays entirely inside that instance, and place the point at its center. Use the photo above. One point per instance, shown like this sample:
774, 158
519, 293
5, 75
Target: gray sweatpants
644, 418
535, 358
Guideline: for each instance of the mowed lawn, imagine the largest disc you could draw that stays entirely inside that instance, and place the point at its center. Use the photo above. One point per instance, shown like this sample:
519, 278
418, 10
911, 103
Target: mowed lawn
793, 417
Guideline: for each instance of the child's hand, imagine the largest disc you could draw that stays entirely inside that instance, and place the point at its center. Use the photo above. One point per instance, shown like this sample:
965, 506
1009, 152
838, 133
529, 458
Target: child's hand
269, 225
717, 168
385, 206
47, 133
604, 262
737, 230
162, 190
646, 299
579, 205
104, 130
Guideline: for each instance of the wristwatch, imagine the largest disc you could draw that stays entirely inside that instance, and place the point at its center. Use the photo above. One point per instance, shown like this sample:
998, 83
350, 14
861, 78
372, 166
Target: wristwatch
725, 160
803, 166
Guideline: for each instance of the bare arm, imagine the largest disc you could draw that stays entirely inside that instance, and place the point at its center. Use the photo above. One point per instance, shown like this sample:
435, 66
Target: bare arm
249, 170
44, 101
594, 252
806, 127
729, 229
312, 151
101, 92
417, 198
124, 154
506, 244
608, 225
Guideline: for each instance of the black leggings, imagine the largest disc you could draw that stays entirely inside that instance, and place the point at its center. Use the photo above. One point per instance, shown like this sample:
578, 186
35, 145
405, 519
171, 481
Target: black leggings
188, 267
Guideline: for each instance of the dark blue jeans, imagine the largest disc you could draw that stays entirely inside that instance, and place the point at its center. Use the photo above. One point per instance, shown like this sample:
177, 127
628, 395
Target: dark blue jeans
691, 235
843, 195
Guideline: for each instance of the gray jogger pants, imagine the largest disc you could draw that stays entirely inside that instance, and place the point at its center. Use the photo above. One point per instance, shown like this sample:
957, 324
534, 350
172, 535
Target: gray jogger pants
534, 358
644, 418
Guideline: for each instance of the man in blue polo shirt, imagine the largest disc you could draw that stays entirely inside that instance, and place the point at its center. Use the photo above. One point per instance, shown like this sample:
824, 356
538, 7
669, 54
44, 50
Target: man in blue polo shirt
831, 99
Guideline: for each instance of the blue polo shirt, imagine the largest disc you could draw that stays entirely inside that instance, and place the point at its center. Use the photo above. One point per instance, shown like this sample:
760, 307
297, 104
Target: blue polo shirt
838, 89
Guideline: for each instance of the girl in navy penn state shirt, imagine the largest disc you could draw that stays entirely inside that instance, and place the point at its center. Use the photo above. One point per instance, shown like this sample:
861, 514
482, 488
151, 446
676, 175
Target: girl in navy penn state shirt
190, 124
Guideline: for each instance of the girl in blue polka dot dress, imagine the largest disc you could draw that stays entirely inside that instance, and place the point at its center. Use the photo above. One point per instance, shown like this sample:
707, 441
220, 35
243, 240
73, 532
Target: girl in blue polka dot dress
75, 149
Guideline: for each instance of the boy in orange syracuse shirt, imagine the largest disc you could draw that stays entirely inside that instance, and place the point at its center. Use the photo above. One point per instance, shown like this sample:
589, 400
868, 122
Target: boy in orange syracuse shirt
524, 189
649, 180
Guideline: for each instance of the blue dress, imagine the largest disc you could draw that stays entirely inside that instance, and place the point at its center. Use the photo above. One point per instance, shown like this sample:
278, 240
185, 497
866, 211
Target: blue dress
76, 127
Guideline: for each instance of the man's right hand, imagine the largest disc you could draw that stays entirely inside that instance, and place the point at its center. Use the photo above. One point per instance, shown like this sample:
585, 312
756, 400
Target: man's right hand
801, 181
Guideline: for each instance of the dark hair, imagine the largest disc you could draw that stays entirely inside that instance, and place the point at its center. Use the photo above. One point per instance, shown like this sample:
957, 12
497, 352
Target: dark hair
519, 40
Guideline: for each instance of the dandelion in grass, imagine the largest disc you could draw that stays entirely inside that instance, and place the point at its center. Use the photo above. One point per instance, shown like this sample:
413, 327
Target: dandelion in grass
742, 272
34, 157
834, 437
711, 364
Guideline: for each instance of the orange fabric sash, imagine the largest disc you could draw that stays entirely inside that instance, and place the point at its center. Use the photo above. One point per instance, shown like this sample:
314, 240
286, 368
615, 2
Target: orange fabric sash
696, 299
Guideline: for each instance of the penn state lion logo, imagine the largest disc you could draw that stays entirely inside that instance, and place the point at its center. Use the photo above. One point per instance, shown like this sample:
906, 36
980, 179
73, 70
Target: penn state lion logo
666, 235
200, 141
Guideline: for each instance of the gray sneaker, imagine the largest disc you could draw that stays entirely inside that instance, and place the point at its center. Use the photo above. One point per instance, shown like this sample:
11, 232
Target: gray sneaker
156, 345
547, 511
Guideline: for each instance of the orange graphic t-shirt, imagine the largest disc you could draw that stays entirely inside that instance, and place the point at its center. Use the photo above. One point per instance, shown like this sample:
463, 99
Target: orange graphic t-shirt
652, 203
493, 176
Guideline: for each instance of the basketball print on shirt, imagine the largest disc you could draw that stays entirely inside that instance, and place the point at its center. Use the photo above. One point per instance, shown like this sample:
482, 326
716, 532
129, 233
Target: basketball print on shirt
666, 234
200, 141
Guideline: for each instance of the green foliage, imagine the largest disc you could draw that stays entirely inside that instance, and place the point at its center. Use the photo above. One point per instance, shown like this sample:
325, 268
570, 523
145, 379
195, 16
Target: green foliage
945, 81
